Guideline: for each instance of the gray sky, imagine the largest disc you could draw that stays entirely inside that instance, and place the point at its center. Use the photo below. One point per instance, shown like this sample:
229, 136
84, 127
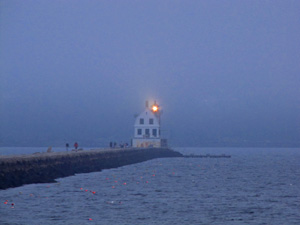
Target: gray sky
225, 72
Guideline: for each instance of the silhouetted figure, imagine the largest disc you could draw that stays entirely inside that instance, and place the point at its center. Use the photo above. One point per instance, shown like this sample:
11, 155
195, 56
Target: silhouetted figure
110, 144
49, 149
76, 145
67, 146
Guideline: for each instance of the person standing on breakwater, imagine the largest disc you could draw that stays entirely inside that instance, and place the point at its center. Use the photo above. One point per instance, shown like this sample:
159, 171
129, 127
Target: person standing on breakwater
76, 145
67, 146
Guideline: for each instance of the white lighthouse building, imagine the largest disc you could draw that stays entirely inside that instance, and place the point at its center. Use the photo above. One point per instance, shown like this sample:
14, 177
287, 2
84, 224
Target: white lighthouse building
147, 128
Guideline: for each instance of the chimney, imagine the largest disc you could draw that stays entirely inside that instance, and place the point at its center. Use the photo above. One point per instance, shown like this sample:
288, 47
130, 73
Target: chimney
147, 104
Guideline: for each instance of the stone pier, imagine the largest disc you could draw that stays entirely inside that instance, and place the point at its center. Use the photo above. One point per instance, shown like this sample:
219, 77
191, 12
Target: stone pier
46, 167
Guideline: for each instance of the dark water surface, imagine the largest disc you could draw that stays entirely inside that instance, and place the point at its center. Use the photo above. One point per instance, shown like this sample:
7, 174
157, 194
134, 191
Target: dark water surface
254, 186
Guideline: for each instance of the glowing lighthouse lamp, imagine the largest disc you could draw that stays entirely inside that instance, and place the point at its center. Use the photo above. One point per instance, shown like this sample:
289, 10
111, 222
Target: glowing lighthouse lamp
155, 108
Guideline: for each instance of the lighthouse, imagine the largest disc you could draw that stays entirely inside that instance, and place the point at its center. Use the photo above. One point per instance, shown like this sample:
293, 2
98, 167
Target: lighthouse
147, 128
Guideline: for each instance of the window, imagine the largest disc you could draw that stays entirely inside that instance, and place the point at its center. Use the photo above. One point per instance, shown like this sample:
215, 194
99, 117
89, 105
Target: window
151, 121
139, 131
141, 120
154, 132
147, 132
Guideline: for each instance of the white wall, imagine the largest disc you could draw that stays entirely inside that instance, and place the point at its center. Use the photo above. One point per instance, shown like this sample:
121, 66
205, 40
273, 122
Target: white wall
146, 116
145, 142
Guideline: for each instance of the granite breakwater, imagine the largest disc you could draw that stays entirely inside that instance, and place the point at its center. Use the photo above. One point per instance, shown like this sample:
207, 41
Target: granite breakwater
19, 170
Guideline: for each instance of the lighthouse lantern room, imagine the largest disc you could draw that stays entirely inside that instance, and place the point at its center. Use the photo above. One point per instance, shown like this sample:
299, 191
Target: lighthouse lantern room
147, 128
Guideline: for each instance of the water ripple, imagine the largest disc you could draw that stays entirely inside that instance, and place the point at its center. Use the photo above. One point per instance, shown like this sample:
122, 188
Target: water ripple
255, 186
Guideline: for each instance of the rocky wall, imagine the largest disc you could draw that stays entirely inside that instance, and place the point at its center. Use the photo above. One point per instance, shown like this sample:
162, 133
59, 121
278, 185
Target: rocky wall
46, 167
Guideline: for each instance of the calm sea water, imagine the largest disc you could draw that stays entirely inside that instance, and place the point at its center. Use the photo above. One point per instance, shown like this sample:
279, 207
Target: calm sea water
255, 186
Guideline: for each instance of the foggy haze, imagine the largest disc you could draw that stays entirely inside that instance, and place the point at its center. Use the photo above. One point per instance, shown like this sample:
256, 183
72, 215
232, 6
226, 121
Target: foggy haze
226, 73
